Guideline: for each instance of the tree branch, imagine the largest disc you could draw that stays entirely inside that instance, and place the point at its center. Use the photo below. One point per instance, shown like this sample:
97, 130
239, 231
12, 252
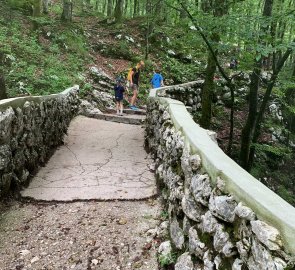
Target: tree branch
200, 31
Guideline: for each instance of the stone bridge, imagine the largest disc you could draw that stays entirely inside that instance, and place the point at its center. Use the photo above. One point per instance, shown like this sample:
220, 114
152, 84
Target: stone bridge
220, 217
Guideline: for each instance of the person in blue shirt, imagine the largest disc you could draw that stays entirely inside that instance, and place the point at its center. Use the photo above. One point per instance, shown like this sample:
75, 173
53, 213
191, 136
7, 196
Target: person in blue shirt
157, 79
119, 90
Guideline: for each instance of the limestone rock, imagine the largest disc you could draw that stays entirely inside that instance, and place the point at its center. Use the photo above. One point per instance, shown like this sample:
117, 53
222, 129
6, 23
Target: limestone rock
262, 258
208, 223
6, 118
191, 208
163, 229
186, 225
184, 262
237, 265
5, 156
244, 247
201, 188
176, 234
217, 261
244, 230
222, 243
223, 207
244, 212
195, 245
195, 162
207, 259
165, 248
268, 235
220, 184
86, 108
186, 168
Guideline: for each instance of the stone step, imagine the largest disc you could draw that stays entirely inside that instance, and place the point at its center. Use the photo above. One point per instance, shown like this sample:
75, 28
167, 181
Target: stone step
127, 111
125, 119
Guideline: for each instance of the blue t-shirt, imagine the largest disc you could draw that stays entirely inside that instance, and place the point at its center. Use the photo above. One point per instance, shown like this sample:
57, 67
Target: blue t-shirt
156, 80
119, 90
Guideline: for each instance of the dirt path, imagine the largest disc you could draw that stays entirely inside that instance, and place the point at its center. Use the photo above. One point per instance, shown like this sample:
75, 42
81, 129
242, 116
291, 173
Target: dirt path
80, 235
68, 225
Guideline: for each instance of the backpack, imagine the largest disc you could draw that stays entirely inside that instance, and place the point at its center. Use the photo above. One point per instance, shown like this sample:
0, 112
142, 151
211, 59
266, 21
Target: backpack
129, 75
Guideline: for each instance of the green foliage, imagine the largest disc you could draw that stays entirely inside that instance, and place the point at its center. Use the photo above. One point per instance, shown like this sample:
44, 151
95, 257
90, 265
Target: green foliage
164, 215
41, 64
21, 4
168, 259
286, 194
275, 151
121, 49
179, 72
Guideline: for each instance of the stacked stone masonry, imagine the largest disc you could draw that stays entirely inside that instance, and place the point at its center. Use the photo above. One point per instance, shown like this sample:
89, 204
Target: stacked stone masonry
188, 93
209, 229
30, 129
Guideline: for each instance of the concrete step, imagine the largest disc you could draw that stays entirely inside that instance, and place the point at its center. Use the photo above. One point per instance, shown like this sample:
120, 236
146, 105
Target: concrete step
127, 111
125, 119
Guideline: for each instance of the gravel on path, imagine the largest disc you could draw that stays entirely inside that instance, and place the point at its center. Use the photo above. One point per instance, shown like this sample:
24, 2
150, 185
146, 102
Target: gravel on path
88, 235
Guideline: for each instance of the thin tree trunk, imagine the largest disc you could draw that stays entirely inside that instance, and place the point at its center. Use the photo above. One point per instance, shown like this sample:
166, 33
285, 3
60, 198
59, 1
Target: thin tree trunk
219, 10
257, 127
110, 8
67, 11
45, 4
248, 129
3, 93
135, 8
119, 11
37, 8
207, 91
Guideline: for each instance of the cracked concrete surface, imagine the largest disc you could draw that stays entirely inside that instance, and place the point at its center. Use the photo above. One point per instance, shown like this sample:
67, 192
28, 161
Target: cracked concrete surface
100, 160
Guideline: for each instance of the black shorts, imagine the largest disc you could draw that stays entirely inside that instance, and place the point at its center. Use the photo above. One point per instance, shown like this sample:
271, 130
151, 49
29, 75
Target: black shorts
119, 98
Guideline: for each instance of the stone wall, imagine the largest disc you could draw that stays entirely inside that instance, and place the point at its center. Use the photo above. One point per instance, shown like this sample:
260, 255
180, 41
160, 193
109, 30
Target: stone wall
30, 128
220, 216
188, 93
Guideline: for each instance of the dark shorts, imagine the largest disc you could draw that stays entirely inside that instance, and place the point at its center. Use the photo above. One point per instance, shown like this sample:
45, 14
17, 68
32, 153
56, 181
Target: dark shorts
134, 86
119, 98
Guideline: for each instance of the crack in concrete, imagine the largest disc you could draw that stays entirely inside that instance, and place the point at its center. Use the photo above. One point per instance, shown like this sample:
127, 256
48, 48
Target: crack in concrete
80, 164
120, 166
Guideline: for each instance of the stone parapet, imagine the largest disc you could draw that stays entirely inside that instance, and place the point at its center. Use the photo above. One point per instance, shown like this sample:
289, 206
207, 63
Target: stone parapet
30, 128
219, 213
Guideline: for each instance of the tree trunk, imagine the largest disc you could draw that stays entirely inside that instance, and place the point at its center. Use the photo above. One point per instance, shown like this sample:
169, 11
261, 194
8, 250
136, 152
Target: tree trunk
248, 129
119, 11
271, 83
45, 4
110, 8
37, 8
67, 11
136, 8
3, 93
207, 92
220, 8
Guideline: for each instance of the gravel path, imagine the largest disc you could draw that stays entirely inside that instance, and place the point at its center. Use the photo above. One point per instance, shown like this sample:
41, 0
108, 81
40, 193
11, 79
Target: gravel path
79, 235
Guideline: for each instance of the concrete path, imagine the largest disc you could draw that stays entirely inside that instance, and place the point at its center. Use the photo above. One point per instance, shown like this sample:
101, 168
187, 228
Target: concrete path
100, 160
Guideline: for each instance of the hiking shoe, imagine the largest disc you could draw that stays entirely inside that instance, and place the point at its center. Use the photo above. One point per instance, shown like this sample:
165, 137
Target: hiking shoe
134, 108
